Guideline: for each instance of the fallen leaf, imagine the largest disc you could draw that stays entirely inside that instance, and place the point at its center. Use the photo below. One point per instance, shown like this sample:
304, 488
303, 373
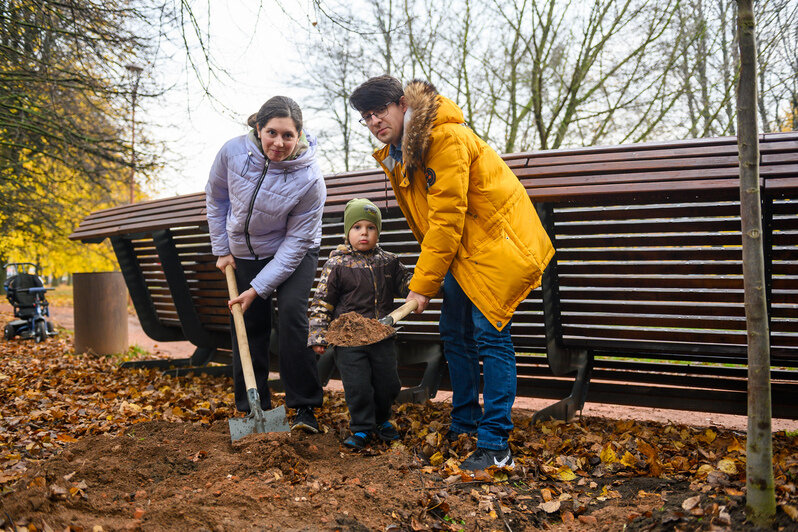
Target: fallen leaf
608, 455
628, 459
704, 470
646, 449
549, 507
565, 473
790, 510
735, 447
708, 436
57, 492
500, 476
482, 476
690, 503
728, 466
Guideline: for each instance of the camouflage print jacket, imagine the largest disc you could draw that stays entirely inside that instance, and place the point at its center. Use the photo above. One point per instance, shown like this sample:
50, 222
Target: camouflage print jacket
353, 281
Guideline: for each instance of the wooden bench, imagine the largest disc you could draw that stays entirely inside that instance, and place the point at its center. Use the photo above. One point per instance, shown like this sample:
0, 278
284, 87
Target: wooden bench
644, 301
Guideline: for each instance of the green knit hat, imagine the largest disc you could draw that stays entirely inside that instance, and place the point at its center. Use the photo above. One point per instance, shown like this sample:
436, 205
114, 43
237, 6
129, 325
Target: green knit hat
361, 209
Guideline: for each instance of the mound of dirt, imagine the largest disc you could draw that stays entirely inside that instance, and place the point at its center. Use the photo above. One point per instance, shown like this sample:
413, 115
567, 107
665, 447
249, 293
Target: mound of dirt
352, 329
167, 476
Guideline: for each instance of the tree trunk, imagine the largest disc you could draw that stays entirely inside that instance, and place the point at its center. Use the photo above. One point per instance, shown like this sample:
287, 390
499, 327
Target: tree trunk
760, 496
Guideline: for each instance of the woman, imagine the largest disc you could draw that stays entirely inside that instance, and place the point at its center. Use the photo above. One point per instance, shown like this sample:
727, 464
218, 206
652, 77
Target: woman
265, 197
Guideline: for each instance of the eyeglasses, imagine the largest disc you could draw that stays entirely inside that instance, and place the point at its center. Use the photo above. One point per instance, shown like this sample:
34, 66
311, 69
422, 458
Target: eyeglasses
378, 113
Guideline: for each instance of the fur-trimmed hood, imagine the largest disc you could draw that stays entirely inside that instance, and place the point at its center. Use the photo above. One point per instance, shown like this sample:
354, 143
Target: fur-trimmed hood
426, 109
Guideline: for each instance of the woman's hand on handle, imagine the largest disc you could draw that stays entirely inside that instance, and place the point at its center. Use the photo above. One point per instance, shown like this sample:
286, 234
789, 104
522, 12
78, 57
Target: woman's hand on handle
222, 262
245, 299
423, 301
319, 349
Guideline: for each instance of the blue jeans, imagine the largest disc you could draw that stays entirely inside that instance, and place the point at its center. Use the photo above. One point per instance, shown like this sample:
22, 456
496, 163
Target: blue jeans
469, 337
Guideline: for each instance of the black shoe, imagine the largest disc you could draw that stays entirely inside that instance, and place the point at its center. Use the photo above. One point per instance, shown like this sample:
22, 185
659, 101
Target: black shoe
305, 420
484, 458
387, 432
358, 440
452, 437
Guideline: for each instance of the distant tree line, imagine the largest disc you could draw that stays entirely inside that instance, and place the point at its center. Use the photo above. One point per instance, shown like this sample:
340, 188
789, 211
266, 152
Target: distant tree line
65, 116
532, 75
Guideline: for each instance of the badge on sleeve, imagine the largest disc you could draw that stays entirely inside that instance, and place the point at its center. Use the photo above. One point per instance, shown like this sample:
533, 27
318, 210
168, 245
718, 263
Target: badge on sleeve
429, 174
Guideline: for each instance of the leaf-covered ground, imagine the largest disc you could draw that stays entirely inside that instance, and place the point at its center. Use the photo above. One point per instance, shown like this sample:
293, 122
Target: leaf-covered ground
85, 446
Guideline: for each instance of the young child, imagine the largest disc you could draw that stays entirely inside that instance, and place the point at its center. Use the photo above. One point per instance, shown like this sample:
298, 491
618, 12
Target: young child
361, 277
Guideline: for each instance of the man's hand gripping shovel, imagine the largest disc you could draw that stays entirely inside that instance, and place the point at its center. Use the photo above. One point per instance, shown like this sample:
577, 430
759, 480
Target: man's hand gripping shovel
257, 421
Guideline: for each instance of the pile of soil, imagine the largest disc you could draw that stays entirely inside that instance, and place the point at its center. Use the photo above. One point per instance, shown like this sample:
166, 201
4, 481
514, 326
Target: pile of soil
161, 475
167, 476
352, 329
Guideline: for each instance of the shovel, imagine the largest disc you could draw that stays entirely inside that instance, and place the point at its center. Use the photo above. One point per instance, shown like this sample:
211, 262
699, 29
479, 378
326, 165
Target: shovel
257, 420
359, 331
399, 314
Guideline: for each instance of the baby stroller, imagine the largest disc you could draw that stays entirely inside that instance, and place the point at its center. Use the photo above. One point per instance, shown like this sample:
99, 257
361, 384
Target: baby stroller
25, 292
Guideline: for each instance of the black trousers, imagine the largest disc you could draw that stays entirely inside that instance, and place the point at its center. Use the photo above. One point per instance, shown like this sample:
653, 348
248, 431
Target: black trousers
371, 382
297, 362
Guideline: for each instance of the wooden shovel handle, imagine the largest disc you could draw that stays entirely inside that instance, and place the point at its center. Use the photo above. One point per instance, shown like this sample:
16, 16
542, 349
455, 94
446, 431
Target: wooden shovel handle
241, 330
402, 312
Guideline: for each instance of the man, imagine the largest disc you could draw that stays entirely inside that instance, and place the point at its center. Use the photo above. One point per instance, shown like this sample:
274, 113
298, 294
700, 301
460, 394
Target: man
480, 236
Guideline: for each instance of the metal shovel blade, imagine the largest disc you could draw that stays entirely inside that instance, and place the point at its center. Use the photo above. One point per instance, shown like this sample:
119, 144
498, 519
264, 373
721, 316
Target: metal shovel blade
258, 421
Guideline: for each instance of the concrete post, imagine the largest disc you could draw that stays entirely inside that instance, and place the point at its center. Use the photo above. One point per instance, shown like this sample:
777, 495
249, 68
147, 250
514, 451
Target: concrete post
100, 306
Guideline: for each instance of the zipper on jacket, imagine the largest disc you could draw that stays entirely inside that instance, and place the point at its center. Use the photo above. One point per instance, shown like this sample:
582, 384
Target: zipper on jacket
252, 206
374, 280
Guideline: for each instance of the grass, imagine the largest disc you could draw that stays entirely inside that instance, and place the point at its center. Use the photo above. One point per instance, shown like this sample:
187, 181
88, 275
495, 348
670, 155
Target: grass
133, 352
61, 296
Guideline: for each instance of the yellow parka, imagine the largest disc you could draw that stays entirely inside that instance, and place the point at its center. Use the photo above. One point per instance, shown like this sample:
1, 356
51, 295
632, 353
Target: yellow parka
466, 208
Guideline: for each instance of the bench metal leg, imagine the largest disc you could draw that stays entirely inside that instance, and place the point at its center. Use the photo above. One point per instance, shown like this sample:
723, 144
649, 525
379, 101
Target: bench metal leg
562, 360
326, 366
140, 293
225, 370
157, 363
565, 409
200, 357
430, 354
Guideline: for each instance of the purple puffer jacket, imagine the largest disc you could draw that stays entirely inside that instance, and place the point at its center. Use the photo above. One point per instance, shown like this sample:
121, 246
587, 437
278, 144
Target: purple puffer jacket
255, 215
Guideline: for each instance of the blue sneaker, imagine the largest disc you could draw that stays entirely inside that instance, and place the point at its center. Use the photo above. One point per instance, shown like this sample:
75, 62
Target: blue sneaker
387, 432
358, 440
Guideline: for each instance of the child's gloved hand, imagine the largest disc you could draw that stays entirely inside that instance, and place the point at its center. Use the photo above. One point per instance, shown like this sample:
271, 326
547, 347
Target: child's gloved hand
319, 349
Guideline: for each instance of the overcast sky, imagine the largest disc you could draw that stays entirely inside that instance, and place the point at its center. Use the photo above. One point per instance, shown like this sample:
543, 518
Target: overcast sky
260, 52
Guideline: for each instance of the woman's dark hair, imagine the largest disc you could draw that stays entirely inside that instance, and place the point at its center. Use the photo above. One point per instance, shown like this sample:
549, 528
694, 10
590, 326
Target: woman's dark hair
277, 107
376, 92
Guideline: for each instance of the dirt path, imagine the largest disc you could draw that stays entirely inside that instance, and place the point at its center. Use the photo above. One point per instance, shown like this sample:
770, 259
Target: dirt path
63, 317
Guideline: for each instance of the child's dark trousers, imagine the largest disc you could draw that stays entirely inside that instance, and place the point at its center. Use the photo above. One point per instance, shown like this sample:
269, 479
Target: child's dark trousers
371, 383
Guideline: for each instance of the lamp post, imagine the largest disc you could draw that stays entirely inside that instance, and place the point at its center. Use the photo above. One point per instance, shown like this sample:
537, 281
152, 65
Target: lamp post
135, 72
